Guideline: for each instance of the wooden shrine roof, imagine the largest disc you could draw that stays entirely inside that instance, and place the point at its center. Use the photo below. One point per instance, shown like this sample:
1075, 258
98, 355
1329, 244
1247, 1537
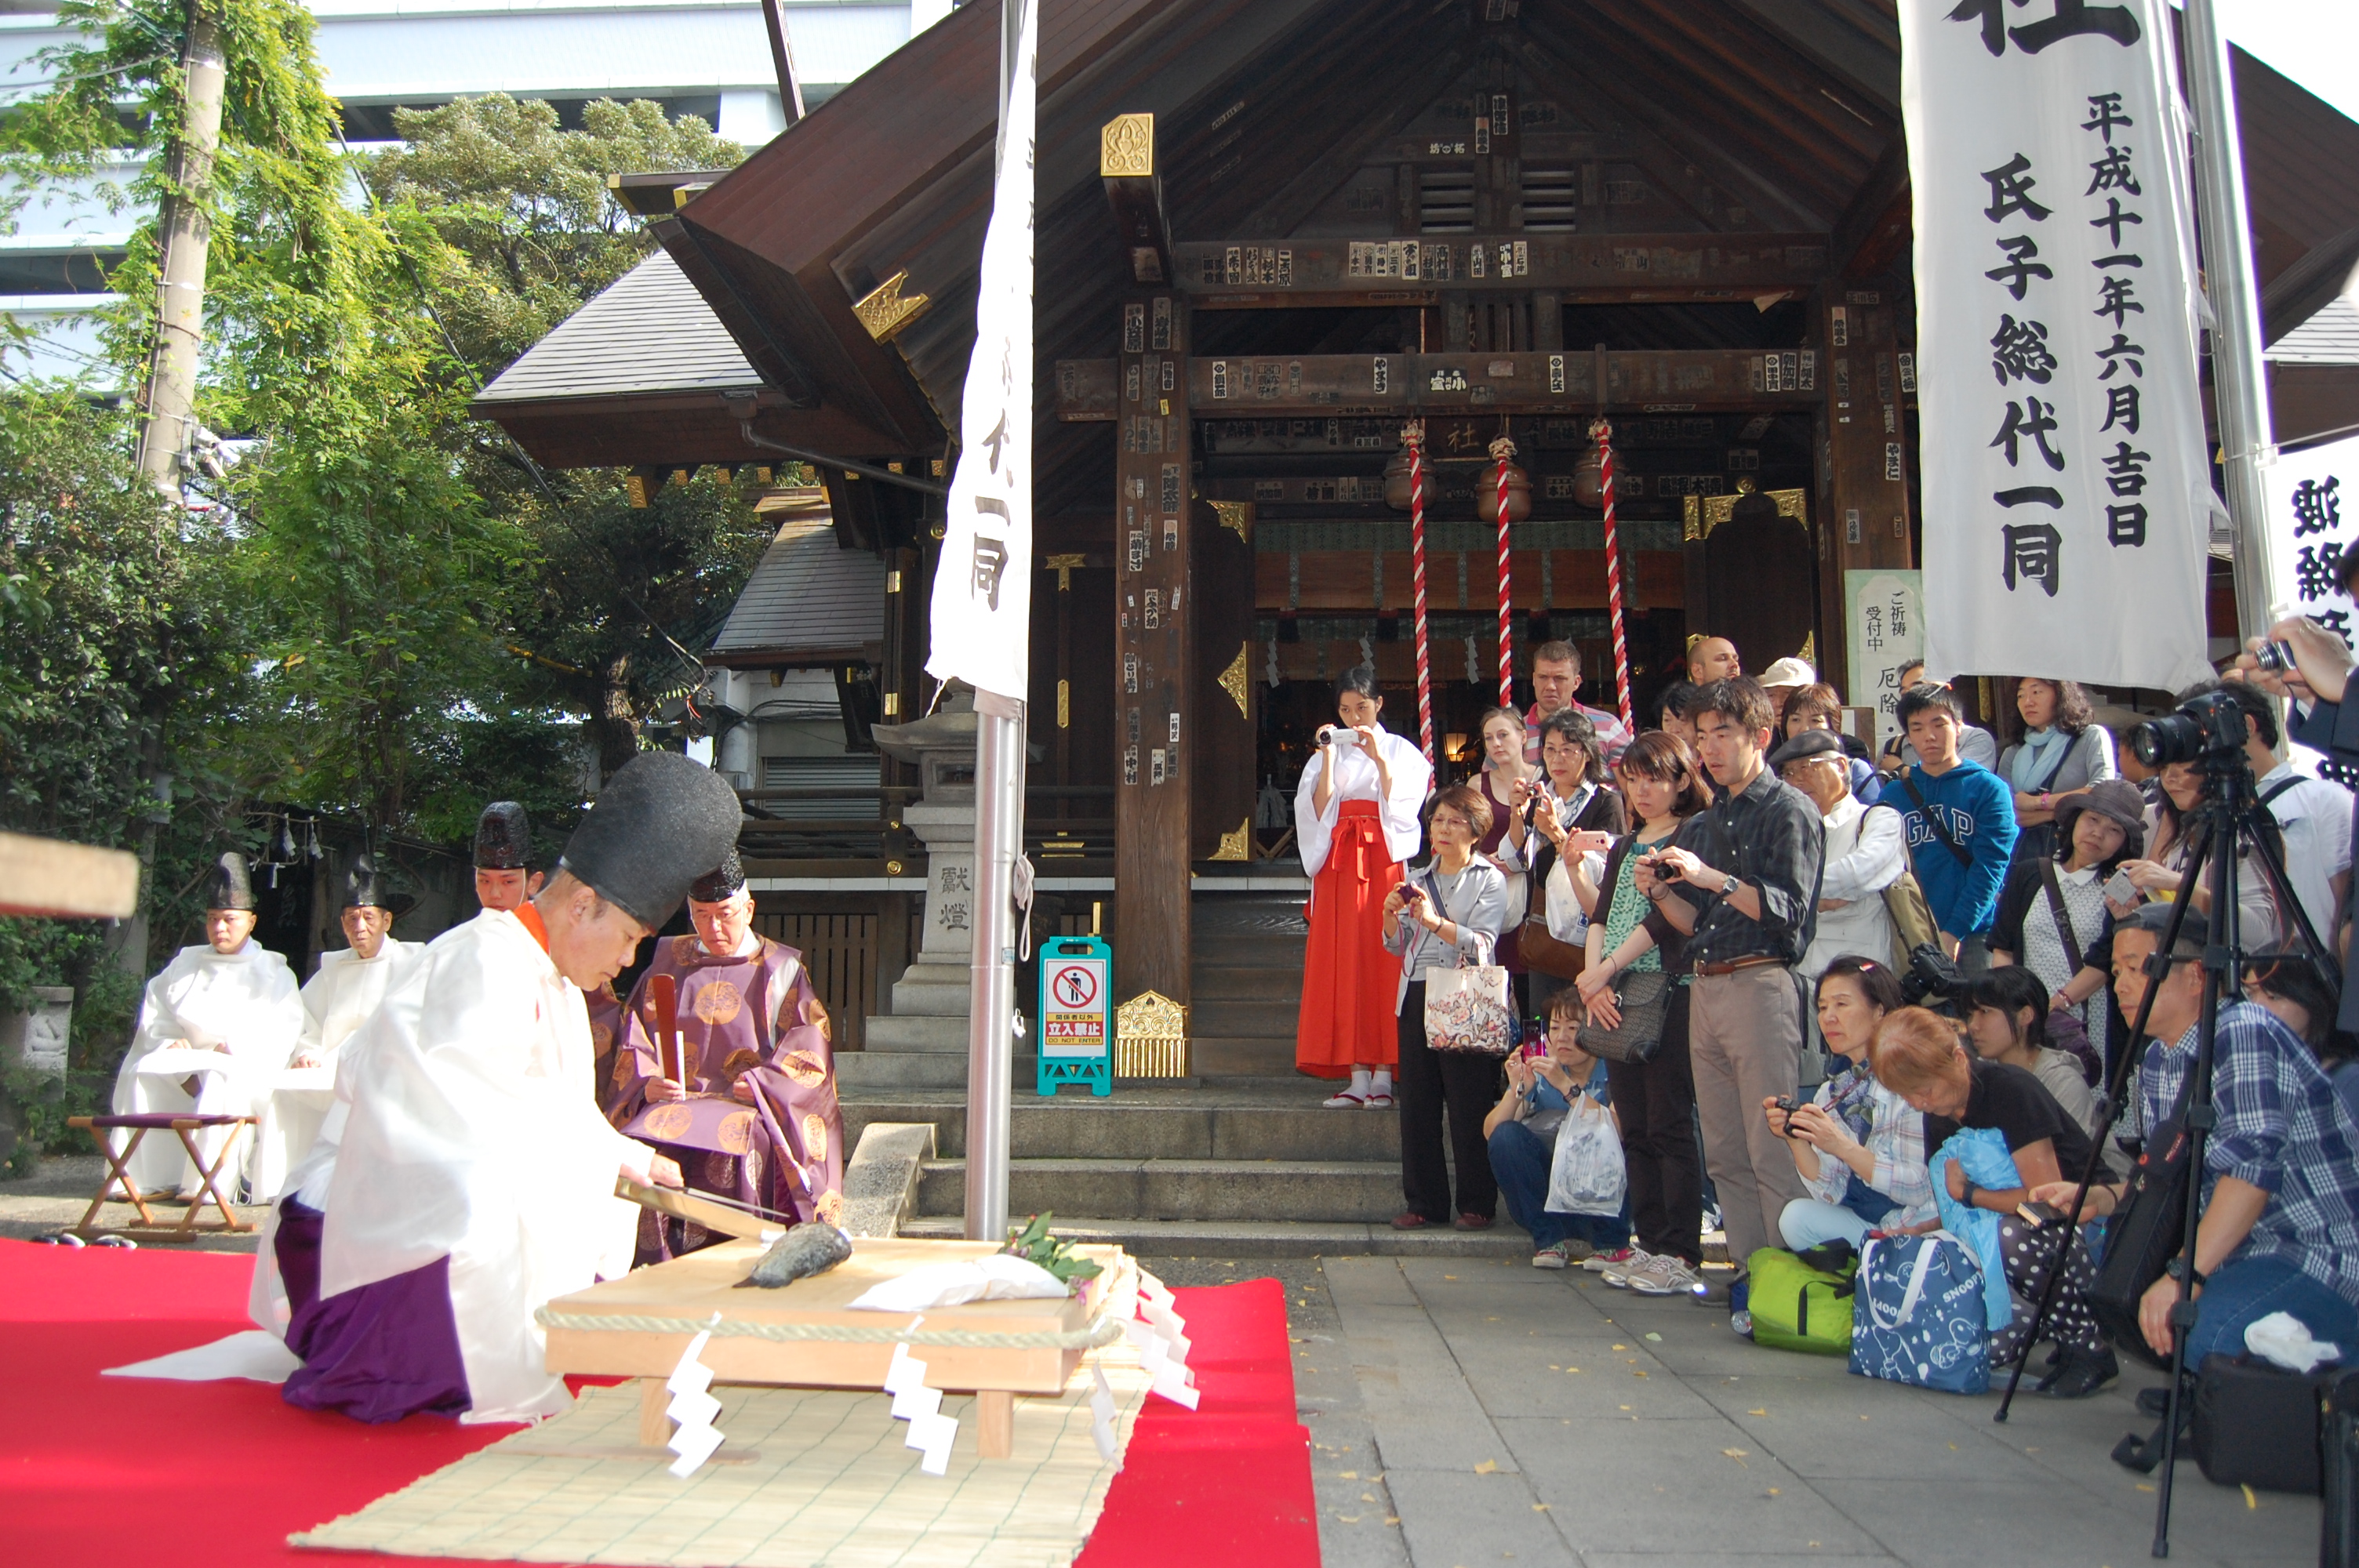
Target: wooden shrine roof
649, 333
810, 603
1709, 120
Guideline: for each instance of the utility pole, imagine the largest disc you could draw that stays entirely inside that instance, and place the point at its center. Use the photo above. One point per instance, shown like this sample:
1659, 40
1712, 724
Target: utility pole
170, 397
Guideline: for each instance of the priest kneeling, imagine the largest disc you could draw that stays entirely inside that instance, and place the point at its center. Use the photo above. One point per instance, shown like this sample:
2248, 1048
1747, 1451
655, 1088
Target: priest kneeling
473, 1178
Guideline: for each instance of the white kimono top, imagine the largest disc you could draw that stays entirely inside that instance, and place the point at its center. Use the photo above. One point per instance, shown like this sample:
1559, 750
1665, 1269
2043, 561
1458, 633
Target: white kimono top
339, 997
469, 1130
1355, 779
244, 1002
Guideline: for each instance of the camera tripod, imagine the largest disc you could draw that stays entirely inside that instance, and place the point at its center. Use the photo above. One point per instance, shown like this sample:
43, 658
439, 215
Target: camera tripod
2230, 817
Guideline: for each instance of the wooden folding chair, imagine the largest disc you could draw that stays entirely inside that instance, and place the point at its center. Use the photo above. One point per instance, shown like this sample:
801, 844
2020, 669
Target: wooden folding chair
187, 1125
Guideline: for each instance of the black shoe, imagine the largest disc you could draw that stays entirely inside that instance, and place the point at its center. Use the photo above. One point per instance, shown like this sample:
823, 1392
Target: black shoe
2081, 1375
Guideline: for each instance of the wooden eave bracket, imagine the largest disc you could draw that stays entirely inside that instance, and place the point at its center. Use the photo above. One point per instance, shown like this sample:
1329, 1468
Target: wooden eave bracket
1126, 164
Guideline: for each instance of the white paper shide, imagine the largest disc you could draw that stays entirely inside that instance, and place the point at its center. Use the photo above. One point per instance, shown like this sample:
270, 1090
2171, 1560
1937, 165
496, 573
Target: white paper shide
2067, 492
983, 585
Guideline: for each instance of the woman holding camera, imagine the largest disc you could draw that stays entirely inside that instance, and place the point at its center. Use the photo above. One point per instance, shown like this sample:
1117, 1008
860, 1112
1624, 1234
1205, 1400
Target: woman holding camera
2159, 877
1654, 1099
2053, 915
1857, 1146
1354, 823
1445, 915
1575, 815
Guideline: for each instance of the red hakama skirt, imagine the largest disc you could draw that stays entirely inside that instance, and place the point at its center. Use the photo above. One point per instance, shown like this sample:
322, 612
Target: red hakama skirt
1349, 981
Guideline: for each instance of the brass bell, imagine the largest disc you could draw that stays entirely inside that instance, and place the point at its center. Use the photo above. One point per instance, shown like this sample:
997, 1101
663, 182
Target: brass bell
1487, 495
1589, 480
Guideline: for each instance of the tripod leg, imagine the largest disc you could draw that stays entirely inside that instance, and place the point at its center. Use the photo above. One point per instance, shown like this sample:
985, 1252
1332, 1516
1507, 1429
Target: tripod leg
2052, 1275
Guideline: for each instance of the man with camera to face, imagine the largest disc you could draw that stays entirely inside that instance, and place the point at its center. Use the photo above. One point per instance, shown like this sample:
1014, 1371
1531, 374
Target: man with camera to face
1744, 878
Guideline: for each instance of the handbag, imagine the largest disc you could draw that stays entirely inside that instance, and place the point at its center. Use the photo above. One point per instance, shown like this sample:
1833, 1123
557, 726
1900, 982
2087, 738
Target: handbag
1585, 1172
1917, 1318
1798, 1307
1466, 1009
2257, 1424
1642, 996
2143, 1235
1537, 948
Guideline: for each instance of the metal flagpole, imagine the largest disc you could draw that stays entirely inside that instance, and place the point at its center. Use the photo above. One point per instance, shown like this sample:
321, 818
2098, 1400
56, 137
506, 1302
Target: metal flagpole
2239, 387
998, 841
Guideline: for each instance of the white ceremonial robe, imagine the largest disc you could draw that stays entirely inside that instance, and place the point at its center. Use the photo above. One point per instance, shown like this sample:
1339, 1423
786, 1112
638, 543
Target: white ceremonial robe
246, 1004
1355, 779
470, 1130
336, 1001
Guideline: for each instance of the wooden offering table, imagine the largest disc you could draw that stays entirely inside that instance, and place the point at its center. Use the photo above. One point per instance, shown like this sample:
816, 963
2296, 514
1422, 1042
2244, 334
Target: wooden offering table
808, 1334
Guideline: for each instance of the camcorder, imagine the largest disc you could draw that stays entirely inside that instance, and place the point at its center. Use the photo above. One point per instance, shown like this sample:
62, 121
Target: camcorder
2206, 729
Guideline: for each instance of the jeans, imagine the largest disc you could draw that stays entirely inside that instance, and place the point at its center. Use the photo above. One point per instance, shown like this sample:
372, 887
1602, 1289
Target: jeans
2246, 1290
1520, 1160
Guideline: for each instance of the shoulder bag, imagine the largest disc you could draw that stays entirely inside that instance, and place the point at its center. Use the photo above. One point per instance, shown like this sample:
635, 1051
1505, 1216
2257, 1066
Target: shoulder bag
1539, 948
1642, 995
1466, 1009
1912, 917
1941, 829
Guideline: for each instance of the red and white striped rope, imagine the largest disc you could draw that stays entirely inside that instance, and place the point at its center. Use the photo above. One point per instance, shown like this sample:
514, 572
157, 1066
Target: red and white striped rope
1603, 432
1504, 449
1415, 438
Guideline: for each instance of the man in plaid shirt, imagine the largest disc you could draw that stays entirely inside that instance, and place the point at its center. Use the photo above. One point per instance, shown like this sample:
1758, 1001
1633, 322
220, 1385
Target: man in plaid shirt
2281, 1226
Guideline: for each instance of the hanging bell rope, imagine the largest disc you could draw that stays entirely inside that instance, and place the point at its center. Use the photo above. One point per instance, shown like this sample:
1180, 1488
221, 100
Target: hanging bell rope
1504, 451
1601, 432
1413, 438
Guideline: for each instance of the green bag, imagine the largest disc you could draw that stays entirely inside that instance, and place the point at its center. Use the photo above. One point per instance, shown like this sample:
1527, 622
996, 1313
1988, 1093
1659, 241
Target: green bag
1796, 1307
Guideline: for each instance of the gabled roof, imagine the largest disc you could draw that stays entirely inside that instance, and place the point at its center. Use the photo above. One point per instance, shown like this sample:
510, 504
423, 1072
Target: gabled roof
807, 604
2329, 338
649, 333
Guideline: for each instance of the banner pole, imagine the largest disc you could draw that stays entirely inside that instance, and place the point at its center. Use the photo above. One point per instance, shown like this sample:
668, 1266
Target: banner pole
2247, 441
998, 841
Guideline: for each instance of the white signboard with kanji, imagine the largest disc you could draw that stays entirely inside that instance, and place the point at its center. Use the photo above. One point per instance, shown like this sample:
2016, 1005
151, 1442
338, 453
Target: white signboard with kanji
2067, 489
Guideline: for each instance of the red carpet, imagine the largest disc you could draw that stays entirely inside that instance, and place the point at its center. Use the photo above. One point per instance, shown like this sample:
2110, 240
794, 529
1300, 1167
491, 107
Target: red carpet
109, 1470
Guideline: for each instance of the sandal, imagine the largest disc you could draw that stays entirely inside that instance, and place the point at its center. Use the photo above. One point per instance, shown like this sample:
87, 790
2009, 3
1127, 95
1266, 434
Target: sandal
1343, 1099
1378, 1102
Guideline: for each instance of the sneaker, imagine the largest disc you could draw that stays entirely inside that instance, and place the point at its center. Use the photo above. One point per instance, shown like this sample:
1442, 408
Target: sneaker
1555, 1257
1577, 1249
1344, 1100
1661, 1276
1613, 1261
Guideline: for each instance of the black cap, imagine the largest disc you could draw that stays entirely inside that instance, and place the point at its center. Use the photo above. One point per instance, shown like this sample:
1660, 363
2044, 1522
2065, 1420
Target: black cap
363, 888
660, 823
1809, 743
724, 880
230, 886
503, 837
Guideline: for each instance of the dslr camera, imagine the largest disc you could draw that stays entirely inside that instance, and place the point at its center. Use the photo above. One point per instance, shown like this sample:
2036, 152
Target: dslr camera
2206, 728
1932, 980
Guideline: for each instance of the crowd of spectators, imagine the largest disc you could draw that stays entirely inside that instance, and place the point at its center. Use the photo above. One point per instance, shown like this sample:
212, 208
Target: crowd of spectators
1743, 857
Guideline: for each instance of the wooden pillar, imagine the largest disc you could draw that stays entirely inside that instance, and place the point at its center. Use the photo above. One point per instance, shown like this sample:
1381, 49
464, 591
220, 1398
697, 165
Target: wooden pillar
1862, 515
1154, 606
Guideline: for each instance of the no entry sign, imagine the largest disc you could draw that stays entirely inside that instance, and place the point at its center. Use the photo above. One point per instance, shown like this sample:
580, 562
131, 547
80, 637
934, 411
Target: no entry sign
1076, 1020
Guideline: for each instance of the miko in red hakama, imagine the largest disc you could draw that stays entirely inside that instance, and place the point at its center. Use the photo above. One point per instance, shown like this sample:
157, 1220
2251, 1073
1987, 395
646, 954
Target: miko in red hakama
1354, 851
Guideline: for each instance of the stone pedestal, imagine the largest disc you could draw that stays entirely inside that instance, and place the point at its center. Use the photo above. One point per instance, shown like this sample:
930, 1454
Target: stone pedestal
38, 1039
934, 996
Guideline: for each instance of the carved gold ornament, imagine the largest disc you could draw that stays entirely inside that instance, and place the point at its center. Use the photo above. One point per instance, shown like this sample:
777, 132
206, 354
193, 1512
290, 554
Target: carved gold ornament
1150, 1038
1237, 845
1126, 147
1236, 681
1237, 517
1705, 512
884, 310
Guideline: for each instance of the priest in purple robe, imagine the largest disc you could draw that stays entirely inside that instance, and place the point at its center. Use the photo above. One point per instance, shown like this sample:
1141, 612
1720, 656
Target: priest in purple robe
464, 1177
757, 1121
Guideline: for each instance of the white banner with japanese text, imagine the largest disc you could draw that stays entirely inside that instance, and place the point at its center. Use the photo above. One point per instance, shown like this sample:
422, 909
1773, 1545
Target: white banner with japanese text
2308, 538
982, 621
1885, 621
2066, 493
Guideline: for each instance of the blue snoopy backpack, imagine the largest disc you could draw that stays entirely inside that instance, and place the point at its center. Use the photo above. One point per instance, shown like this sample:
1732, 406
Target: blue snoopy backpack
1918, 1315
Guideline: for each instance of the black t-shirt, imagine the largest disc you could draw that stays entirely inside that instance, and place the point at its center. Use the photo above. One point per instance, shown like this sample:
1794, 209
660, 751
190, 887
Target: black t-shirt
2019, 1105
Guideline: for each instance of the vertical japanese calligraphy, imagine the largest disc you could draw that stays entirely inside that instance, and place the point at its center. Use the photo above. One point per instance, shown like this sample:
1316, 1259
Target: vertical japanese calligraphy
2312, 494
2066, 486
983, 585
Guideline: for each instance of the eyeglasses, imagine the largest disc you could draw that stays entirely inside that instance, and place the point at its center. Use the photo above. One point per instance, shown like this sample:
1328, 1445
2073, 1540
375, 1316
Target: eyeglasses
1445, 819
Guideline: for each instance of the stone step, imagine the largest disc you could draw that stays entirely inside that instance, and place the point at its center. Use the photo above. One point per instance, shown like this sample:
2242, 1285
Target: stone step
902, 1031
1362, 1191
1275, 951
1269, 1018
1266, 1239
1072, 1127
1279, 990
901, 1071
1239, 1055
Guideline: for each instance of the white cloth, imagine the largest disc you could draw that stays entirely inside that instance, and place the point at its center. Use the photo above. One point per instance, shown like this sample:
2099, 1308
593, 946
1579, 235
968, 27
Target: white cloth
470, 1132
1355, 779
1567, 921
2314, 817
253, 1354
336, 1001
245, 1003
1865, 854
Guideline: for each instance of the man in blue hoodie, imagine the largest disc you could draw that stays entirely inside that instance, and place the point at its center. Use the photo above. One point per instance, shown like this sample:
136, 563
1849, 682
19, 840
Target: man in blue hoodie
1961, 823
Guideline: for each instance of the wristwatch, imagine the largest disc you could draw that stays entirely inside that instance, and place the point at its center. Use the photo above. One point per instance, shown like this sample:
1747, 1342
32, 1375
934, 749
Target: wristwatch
1731, 885
2177, 1269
